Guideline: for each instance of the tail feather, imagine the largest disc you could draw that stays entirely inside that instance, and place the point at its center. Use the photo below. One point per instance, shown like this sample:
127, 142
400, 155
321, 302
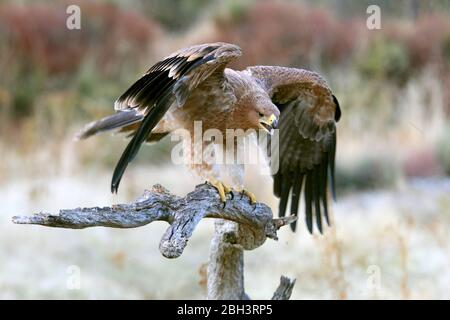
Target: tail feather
115, 121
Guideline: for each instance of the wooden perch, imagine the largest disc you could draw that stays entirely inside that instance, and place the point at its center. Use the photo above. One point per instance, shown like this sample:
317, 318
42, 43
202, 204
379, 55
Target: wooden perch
242, 226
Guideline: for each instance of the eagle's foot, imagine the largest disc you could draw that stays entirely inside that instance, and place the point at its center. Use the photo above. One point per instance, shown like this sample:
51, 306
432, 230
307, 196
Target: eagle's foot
222, 188
250, 195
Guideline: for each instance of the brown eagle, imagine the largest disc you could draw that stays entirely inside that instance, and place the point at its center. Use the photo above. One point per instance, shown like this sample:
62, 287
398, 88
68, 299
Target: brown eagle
193, 84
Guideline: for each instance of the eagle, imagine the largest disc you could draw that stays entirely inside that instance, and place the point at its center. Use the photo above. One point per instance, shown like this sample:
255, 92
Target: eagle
194, 85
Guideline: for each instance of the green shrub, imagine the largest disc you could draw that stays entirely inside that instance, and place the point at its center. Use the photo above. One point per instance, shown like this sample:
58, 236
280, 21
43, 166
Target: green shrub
443, 150
24, 94
385, 59
446, 50
175, 15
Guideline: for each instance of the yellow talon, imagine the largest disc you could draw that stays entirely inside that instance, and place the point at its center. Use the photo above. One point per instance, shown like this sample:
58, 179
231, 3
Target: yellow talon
222, 188
226, 188
250, 195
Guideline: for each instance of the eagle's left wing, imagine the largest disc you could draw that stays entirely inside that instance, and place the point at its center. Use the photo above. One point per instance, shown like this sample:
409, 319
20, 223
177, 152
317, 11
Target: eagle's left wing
307, 140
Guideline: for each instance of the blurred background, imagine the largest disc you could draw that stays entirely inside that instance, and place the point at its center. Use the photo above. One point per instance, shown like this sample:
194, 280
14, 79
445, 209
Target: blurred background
390, 237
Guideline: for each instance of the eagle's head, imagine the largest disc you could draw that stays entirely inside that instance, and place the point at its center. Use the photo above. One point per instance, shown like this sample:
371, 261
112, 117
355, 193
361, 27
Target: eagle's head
262, 112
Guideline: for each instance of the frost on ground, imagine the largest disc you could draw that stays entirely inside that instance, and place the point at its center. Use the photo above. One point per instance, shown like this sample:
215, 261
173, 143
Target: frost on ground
386, 244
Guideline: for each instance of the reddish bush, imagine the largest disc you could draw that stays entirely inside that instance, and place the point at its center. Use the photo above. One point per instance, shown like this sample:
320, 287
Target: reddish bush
421, 163
121, 34
291, 34
37, 35
425, 42
287, 34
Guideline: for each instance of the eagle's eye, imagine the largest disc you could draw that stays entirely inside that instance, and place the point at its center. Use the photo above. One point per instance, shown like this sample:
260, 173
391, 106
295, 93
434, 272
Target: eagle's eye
260, 114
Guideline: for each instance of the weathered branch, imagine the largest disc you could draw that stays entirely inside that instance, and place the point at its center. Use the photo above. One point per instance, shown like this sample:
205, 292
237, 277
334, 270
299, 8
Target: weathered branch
284, 290
252, 225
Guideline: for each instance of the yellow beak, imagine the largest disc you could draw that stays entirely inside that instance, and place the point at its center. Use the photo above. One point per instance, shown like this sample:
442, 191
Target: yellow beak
268, 123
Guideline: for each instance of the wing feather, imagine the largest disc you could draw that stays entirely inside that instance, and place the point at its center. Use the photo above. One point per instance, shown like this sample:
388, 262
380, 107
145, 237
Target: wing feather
307, 141
296, 192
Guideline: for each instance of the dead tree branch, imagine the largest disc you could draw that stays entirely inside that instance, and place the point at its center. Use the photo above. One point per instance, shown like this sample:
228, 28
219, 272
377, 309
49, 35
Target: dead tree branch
249, 227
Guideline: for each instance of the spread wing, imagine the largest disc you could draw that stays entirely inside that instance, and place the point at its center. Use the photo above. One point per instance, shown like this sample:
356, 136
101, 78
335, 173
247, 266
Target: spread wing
307, 139
168, 81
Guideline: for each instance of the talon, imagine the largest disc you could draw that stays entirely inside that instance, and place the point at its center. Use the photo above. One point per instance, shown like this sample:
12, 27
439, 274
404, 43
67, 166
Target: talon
250, 195
226, 188
222, 188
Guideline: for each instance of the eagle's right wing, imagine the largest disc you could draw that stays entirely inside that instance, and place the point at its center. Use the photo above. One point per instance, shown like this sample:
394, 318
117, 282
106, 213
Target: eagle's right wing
307, 140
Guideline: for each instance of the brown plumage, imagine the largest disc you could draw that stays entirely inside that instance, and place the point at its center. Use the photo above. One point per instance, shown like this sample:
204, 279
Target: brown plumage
193, 84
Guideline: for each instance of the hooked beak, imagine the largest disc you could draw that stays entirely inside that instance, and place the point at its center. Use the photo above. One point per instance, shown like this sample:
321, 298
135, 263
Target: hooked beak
268, 123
